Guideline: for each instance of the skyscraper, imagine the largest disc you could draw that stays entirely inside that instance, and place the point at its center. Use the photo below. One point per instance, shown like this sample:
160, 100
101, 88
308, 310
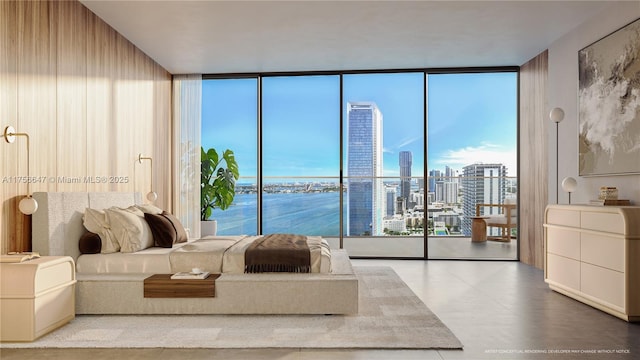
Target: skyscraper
482, 184
447, 192
390, 205
405, 159
434, 175
365, 193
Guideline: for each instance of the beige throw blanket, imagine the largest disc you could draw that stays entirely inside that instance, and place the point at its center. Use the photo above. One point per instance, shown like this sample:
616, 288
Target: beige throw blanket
278, 253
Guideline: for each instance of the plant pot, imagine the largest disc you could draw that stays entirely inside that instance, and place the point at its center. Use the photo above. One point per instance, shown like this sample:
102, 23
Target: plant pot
208, 228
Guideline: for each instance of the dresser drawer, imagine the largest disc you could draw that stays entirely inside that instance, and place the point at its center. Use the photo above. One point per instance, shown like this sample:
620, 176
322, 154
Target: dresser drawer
607, 222
605, 251
563, 242
563, 271
602, 283
563, 217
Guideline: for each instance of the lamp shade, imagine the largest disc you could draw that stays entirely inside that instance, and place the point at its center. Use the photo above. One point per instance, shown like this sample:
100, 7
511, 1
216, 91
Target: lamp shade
556, 115
152, 196
28, 205
569, 184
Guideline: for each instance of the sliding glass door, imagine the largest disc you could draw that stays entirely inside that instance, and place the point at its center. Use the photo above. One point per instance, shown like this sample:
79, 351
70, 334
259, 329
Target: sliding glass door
472, 157
383, 157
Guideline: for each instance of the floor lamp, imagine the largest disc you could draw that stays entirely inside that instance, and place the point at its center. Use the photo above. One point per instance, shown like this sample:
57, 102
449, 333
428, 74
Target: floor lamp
556, 115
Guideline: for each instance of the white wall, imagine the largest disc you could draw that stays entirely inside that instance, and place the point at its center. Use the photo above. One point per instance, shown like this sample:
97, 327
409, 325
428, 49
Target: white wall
562, 92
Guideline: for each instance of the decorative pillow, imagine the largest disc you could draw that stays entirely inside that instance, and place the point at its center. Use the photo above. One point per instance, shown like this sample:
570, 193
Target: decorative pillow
90, 243
135, 210
131, 231
96, 221
149, 209
180, 231
164, 233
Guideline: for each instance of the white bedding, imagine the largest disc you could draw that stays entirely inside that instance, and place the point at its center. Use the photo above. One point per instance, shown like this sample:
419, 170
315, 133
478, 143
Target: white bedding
153, 260
216, 254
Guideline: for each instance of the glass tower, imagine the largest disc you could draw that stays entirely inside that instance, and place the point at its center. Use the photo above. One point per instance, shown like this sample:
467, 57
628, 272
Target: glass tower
391, 202
405, 175
434, 175
365, 191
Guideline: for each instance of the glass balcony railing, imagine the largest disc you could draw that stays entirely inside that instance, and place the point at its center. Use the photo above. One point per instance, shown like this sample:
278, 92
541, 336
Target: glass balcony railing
385, 216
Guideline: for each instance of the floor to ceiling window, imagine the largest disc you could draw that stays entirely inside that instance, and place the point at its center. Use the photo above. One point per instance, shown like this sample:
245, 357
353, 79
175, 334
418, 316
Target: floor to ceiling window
383, 152
313, 146
472, 157
230, 121
301, 155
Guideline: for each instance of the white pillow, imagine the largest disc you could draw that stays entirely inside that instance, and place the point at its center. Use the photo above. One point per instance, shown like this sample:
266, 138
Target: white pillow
96, 221
135, 210
130, 229
149, 209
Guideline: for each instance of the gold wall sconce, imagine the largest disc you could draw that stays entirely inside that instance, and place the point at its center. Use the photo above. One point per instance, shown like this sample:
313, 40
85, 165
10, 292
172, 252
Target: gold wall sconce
151, 195
28, 205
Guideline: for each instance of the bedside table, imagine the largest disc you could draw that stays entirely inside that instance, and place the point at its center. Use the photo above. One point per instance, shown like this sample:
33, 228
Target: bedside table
36, 297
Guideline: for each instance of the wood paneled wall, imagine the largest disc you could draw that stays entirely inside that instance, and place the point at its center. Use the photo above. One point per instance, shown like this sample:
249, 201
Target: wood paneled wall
534, 125
90, 102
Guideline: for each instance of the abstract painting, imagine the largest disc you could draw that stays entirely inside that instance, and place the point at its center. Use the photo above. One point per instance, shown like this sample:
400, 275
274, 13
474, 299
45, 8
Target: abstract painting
609, 104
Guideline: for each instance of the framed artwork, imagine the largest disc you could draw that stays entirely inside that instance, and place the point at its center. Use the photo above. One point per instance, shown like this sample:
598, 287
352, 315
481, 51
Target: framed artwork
609, 104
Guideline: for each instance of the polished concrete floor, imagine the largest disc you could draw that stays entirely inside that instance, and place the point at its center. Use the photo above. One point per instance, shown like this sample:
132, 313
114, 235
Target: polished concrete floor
498, 310
439, 247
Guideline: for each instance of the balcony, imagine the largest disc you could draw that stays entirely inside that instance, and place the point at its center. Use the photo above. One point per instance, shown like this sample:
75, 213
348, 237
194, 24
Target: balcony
312, 206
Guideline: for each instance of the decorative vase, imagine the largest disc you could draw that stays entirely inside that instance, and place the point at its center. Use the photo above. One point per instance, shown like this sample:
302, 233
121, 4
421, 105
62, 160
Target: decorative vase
208, 228
608, 193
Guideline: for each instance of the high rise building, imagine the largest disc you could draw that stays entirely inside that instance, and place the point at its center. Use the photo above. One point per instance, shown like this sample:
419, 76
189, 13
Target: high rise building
417, 199
447, 192
434, 175
449, 173
365, 195
405, 159
482, 184
390, 201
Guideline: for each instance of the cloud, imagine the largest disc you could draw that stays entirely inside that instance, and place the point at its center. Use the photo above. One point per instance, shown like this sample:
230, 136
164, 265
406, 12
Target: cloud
486, 153
405, 142
401, 145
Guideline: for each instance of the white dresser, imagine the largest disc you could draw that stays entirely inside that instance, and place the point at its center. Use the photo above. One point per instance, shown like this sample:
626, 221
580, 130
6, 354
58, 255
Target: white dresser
592, 254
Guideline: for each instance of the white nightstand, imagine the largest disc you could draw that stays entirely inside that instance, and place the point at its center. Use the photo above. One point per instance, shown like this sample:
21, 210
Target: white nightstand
36, 297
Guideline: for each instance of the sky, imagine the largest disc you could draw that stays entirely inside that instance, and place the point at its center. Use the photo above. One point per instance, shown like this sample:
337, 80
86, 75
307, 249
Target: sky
471, 118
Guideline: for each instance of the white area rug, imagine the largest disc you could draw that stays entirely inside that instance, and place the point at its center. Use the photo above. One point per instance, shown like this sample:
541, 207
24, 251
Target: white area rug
391, 316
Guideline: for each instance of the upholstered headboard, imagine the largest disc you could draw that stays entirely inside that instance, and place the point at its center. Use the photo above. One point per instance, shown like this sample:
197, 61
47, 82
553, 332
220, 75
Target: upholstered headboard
57, 225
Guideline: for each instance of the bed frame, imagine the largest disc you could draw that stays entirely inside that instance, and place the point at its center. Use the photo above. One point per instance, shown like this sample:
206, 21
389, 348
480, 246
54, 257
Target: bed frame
57, 227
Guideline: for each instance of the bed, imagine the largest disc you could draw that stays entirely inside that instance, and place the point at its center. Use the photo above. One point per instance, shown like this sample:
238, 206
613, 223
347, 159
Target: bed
114, 283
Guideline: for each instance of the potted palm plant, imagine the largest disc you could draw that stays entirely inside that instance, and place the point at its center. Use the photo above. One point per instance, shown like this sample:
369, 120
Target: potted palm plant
217, 185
